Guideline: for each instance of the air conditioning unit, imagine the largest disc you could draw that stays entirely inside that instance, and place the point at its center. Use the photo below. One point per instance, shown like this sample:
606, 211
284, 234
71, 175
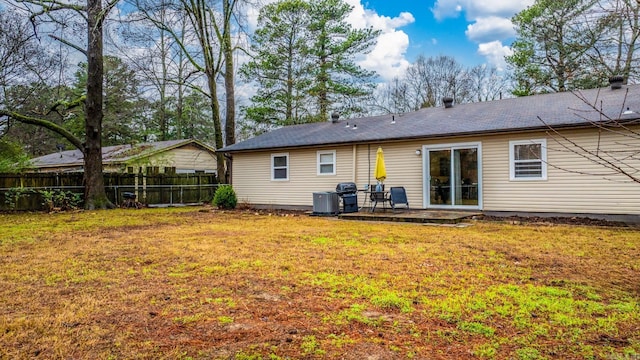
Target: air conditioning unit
325, 203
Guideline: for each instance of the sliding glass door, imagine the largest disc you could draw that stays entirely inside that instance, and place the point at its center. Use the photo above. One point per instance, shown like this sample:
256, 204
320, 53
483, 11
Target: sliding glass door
452, 176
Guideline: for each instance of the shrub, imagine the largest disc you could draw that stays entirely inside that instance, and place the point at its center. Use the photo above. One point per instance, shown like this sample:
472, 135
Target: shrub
60, 199
225, 197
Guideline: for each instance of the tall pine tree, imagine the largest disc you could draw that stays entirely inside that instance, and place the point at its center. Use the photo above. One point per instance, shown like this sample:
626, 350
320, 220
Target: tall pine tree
304, 64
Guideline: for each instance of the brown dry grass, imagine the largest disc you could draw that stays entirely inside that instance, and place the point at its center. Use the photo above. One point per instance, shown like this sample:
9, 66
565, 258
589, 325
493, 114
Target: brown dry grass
206, 284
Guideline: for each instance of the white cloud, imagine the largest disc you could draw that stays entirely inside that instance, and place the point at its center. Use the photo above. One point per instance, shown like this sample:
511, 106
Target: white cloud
490, 28
491, 23
388, 56
478, 8
495, 52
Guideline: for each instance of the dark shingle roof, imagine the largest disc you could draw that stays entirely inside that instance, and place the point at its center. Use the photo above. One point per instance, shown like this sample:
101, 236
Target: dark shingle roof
517, 114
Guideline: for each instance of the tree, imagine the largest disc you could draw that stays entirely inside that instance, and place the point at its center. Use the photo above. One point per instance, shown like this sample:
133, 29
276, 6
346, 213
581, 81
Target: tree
426, 82
619, 159
12, 157
94, 14
35, 100
213, 57
24, 63
22, 59
337, 79
196, 108
549, 54
125, 117
279, 66
486, 83
615, 52
160, 64
393, 97
304, 64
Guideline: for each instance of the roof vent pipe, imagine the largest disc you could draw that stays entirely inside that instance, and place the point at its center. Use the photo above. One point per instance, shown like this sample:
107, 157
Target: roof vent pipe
334, 117
616, 81
448, 102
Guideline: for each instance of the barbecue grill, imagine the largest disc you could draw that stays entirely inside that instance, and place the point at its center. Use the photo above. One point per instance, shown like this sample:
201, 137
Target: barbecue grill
347, 191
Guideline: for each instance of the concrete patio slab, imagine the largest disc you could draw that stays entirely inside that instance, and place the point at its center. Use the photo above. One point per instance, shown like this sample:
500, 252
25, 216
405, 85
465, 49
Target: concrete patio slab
413, 216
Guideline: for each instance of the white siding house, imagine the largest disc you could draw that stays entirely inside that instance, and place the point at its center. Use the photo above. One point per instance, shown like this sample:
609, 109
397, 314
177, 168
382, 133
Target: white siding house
513, 155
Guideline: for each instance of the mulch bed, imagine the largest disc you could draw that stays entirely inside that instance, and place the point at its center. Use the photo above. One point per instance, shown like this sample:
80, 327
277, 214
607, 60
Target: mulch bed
554, 220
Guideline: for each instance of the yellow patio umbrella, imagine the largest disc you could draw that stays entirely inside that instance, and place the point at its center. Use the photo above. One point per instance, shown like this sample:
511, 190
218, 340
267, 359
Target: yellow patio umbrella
380, 172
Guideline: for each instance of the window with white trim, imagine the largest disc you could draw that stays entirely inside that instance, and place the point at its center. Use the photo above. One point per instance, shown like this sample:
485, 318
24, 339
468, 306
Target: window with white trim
280, 167
528, 159
327, 162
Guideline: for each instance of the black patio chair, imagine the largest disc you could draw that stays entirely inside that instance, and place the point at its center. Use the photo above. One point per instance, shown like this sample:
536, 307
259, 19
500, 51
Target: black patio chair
377, 196
398, 196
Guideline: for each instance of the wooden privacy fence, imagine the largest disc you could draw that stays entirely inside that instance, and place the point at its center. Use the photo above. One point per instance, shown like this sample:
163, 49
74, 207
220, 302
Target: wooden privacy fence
29, 191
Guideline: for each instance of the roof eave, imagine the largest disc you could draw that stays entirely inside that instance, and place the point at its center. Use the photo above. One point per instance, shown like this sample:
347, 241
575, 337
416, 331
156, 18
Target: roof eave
419, 137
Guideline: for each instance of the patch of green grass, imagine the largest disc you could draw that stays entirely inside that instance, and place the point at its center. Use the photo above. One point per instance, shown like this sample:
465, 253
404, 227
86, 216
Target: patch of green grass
339, 341
322, 240
354, 313
476, 328
311, 346
225, 320
486, 351
528, 353
379, 292
247, 356
188, 319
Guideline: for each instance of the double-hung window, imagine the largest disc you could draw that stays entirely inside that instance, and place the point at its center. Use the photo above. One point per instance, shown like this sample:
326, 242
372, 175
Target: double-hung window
327, 162
528, 159
280, 167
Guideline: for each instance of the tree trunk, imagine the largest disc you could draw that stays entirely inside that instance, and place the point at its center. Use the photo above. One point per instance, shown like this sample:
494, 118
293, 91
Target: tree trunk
94, 192
230, 120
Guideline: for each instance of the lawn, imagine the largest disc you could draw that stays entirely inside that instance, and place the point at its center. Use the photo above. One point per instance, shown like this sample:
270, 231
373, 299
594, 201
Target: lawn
197, 283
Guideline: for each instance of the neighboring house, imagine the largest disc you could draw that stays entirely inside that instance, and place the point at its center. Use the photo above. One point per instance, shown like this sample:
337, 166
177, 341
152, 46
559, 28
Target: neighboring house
496, 156
173, 156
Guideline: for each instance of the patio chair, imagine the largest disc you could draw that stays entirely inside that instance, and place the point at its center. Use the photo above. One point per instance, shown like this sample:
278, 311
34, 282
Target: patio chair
398, 196
378, 196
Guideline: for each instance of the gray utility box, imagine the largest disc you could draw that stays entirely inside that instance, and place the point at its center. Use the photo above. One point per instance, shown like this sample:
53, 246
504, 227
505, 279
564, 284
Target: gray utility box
325, 203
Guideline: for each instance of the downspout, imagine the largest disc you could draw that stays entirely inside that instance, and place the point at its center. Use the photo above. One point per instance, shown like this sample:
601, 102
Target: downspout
369, 171
354, 177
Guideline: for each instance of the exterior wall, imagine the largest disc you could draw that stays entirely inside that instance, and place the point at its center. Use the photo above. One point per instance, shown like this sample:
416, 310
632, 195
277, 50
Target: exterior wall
404, 168
184, 158
573, 185
252, 176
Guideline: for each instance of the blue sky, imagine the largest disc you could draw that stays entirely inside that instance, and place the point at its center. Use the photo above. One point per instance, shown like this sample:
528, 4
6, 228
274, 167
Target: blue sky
473, 31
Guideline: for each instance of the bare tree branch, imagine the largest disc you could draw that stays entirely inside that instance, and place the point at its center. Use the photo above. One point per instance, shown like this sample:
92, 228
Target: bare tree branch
619, 161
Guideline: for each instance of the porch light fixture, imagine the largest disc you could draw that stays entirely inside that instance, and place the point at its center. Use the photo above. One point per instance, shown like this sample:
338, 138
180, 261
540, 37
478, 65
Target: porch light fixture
418, 152
628, 112
355, 126
393, 119
347, 125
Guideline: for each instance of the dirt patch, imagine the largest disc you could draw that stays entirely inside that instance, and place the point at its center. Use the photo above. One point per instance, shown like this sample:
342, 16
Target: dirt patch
555, 220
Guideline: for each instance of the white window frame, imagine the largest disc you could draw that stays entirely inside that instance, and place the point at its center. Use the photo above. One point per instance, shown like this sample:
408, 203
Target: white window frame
274, 168
333, 162
543, 160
